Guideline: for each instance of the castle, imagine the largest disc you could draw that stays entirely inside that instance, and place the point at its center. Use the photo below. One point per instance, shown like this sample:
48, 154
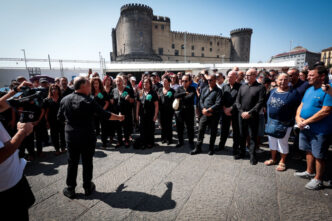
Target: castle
141, 36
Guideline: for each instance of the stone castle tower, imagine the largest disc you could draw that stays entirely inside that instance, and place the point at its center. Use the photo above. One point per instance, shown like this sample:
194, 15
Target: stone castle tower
141, 36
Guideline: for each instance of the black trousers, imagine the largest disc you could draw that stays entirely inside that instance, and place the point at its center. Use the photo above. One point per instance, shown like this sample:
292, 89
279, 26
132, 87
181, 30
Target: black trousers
185, 117
58, 135
225, 125
75, 152
212, 122
39, 136
124, 128
101, 125
27, 144
248, 127
147, 127
166, 118
15, 202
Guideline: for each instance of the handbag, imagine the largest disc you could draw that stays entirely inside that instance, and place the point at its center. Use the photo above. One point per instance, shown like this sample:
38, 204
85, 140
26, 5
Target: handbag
176, 103
275, 128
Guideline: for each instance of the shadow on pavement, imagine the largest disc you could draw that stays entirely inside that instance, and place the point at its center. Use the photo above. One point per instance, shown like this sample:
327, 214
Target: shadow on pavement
133, 200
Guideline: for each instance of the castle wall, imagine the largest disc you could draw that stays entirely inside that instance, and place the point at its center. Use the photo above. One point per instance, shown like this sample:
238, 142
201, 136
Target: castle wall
134, 35
241, 39
140, 35
199, 48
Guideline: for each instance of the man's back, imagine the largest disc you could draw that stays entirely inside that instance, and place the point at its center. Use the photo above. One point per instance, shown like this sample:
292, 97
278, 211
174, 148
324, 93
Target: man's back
77, 110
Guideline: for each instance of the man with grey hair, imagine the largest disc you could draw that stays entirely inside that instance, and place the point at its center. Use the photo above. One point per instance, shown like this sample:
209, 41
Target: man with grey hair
77, 111
210, 103
230, 113
249, 100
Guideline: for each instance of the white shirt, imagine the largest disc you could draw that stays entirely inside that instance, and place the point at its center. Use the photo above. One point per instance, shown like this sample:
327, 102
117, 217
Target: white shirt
11, 170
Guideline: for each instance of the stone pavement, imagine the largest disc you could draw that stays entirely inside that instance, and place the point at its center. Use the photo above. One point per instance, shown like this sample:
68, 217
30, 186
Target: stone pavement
166, 183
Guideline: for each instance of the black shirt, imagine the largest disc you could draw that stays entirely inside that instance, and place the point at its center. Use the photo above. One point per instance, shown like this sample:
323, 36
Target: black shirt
250, 98
120, 103
53, 108
157, 86
66, 92
229, 94
147, 108
77, 110
166, 100
211, 99
187, 100
101, 98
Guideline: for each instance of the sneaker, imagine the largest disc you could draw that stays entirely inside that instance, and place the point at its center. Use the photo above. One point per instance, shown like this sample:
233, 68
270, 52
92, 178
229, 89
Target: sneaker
314, 184
305, 175
69, 193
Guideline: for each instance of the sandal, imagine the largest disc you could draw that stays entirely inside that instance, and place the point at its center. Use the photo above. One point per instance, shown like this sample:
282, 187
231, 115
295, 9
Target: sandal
281, 167
270, 162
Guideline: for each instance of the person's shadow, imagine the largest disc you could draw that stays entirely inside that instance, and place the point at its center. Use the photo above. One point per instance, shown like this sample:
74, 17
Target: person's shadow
137, 200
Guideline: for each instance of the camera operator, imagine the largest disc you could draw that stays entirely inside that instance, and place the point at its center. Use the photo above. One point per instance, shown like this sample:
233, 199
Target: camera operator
36, 116
15, 193
77, 111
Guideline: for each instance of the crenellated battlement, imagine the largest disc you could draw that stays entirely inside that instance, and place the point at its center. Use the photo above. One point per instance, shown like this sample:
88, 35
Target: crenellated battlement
161, 18
141, 35
189, 35
241, 30
135, 6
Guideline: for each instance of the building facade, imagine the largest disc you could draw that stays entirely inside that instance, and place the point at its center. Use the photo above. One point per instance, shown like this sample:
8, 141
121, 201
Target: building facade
326, 57
141, 36
299, 54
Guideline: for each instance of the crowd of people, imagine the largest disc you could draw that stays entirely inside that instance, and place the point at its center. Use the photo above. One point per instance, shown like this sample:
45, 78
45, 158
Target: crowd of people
252, 102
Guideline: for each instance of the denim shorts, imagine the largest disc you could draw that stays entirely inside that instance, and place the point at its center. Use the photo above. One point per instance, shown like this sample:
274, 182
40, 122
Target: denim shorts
317, 144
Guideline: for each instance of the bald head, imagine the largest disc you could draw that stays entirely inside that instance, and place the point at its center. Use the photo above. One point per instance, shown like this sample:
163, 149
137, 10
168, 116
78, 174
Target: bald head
251, 75
232, 75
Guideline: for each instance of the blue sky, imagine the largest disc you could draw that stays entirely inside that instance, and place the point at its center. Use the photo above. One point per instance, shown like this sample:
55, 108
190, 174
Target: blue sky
80, 29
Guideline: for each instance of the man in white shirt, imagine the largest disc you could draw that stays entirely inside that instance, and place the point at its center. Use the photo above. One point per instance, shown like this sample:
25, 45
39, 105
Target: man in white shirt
15, 193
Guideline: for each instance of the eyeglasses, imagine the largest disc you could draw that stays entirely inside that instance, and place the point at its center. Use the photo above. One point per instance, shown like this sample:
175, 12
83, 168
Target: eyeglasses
248, 75
210, 80
185, 81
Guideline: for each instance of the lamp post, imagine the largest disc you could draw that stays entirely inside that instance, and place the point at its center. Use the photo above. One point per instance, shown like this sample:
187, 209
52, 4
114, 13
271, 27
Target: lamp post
25, 59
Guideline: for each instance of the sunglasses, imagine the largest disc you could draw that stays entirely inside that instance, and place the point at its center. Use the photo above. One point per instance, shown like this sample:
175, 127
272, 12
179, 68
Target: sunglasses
185, 81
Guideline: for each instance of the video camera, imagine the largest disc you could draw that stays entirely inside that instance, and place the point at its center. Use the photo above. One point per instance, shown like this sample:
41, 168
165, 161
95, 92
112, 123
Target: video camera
28, 97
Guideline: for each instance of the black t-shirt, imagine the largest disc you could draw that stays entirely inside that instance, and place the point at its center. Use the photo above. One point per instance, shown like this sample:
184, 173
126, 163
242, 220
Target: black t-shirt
166, 100
146, 108
120, 103
101, 98
53, 108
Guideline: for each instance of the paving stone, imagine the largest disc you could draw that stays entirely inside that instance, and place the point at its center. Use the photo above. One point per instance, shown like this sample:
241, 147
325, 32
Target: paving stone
57, 207
298, 208
288, 183
253, 195
128, 193
184, 178
166, 183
